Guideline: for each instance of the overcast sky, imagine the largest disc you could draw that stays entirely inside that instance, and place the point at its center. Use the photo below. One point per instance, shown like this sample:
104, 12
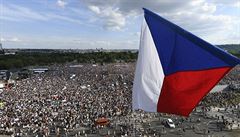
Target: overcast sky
111, 24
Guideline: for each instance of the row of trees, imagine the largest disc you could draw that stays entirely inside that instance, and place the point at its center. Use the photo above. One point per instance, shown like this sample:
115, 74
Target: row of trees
28, 59
232, 48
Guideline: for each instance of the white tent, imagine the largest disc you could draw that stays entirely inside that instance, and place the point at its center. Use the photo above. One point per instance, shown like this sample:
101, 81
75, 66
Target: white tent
2, 85
219, 88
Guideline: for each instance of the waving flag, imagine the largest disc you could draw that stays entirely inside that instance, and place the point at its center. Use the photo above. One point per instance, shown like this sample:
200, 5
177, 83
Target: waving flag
175, 69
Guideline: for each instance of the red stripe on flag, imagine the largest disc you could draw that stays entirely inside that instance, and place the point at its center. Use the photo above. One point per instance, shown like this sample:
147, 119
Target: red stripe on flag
182, 91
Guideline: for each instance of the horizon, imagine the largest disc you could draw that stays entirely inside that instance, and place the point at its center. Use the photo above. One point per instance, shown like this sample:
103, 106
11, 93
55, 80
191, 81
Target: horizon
238, 44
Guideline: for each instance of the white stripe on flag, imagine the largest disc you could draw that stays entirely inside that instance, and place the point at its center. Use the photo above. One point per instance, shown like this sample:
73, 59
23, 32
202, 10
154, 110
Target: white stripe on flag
149, 74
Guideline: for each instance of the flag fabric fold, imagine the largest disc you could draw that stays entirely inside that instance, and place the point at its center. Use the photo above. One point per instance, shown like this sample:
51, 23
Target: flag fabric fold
175, 69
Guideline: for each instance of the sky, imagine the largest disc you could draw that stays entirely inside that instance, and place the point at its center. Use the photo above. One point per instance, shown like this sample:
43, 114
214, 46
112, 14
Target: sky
110, 24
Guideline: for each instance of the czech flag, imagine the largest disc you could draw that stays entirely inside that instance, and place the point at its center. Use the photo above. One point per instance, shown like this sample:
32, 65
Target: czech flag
175, 69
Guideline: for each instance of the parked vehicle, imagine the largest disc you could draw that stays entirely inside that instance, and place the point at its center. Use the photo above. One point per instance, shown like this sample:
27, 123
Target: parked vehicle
170, 123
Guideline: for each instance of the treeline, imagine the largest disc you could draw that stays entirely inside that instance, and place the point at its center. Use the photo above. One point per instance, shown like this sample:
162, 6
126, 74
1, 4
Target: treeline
236, 54
21, 60
31, 59
232, 48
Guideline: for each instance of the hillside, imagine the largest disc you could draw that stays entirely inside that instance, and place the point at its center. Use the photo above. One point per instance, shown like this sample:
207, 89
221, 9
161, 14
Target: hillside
232, 48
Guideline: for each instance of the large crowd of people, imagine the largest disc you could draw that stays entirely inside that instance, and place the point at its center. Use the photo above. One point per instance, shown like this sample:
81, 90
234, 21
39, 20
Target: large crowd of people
69, 98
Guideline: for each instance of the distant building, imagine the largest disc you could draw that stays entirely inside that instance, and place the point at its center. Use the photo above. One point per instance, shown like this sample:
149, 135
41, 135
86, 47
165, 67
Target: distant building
9, 53
39, 70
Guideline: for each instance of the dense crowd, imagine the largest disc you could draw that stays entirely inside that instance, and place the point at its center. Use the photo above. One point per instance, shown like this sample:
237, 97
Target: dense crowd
67, 98
231, 95
232, 79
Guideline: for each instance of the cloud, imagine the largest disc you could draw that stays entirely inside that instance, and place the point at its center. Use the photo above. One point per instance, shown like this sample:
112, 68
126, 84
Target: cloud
61, 3
51, 16
111, 17
95, 9
224, 2
15, 39
12, 39
136, 34
20, 13
205, 18
107, 44
58, 42
198, 16
236, 4
2, 39
115, 13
